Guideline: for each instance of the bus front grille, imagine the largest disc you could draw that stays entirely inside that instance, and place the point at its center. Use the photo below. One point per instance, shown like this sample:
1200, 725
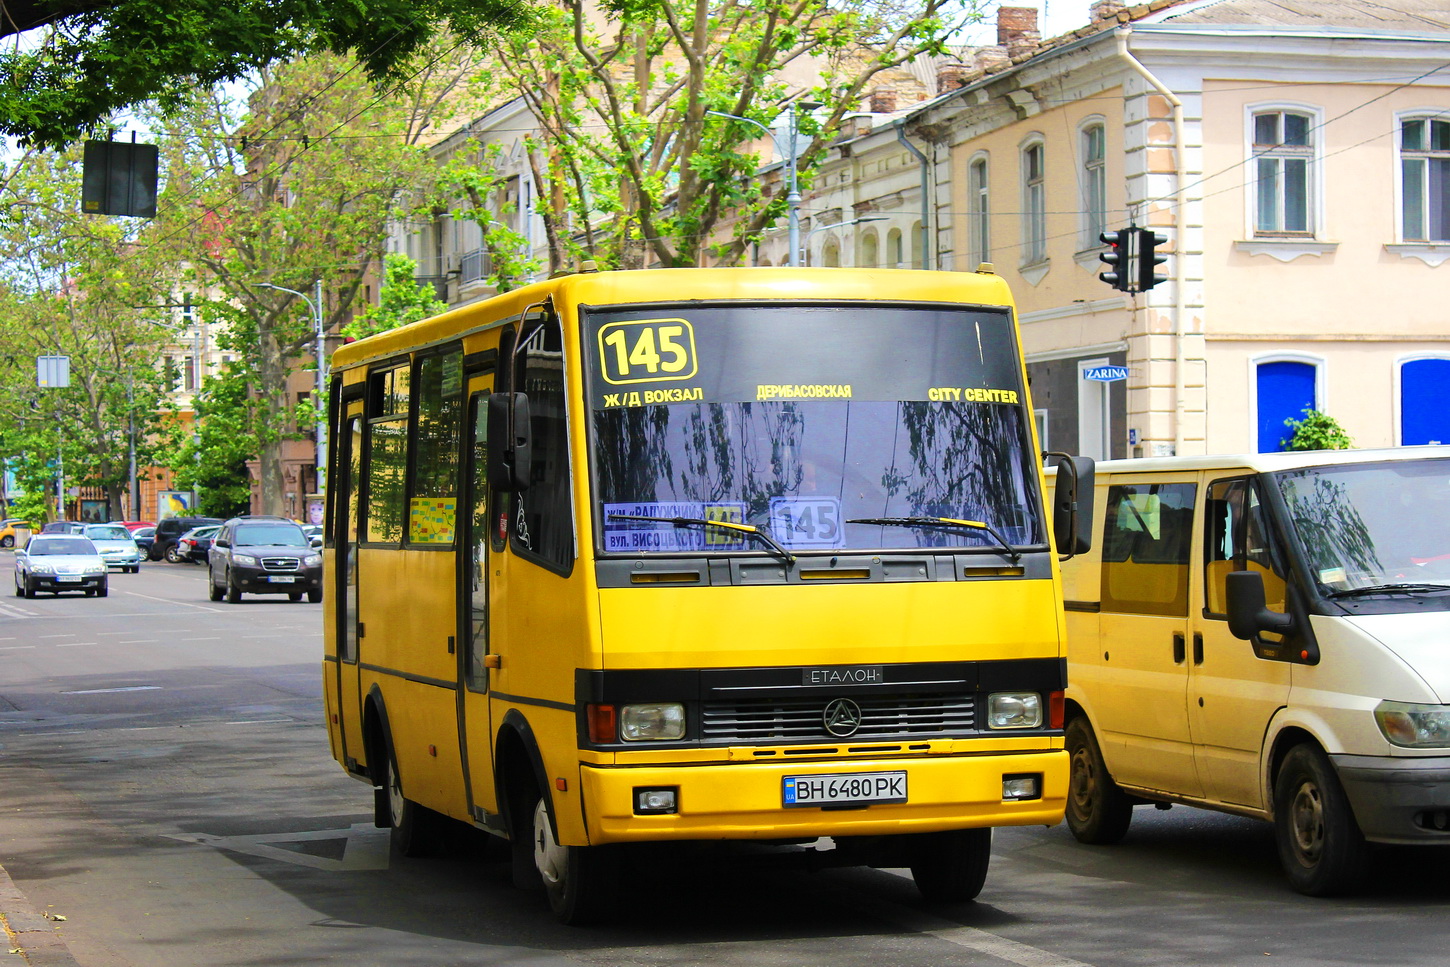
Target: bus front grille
771, 720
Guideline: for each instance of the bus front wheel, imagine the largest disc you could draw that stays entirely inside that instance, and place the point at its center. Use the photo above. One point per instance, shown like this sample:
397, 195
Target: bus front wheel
951, 867
580, 881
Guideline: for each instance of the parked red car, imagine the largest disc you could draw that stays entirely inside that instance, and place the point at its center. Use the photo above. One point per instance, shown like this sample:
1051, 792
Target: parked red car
134, 525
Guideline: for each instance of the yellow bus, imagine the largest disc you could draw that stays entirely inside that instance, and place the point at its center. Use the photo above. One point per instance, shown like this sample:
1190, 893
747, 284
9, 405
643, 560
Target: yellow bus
693, 555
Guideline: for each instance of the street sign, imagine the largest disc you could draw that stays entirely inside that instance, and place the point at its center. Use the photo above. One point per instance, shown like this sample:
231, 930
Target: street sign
52, 372
1106, 374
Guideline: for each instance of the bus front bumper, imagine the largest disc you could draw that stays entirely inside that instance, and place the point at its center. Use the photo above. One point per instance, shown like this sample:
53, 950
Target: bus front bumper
747, 800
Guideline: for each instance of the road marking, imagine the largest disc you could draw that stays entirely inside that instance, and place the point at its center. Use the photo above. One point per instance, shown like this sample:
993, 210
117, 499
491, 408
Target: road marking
365, 847
74, 644
15, 647
172, 601
71, 635
258, 722
120, 688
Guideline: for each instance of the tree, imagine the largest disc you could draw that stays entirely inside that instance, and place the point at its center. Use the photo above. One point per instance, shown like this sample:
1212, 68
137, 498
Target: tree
400, 301
84, 288
1316, 431
88, 59
636, 168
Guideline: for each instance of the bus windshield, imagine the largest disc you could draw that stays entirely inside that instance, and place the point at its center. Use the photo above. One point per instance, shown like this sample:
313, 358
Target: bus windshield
1368, 527
828, 427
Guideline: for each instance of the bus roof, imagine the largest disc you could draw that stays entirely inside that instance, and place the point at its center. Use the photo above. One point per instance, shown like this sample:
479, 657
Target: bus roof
1270, 462
676, 286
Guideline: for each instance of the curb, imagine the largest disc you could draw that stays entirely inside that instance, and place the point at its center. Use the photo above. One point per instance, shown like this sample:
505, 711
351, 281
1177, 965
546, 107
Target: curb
27, 933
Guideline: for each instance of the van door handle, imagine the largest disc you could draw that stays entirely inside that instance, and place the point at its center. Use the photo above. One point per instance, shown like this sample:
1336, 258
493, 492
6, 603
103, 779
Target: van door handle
1197, 648
1179, 651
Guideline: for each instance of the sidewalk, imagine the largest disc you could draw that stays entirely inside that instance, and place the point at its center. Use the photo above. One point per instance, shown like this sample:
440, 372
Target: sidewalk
27, 933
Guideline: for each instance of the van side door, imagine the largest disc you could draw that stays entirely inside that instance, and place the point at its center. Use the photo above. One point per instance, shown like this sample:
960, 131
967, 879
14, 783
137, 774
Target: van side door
1233, 693
1140, 698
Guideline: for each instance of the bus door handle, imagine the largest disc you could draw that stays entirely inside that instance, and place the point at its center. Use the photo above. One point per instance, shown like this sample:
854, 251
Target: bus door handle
1180, 652
1198, 648
492, 661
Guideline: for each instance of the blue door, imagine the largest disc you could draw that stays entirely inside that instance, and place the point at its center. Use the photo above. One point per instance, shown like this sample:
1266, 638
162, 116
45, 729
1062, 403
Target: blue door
1424, 417
1286, 390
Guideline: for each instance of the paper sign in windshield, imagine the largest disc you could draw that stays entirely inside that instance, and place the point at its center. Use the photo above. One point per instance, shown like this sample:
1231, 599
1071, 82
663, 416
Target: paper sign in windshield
806, 522
664, 535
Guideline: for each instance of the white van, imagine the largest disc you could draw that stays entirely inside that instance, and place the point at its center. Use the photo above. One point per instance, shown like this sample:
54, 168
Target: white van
1267, 635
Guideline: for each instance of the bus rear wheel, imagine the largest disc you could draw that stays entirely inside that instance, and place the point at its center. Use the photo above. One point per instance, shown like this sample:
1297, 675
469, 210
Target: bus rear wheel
580, 881
415, 829
951, 867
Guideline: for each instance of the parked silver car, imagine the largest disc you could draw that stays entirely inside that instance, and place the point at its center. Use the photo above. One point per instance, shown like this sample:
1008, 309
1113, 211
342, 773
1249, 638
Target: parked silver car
60, 562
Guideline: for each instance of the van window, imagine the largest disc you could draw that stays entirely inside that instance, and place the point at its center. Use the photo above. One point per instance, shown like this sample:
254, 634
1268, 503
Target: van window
1146, 538
1237, 538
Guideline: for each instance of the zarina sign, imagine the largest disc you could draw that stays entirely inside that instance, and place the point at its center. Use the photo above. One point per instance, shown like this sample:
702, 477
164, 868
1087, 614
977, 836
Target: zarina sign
1106, 374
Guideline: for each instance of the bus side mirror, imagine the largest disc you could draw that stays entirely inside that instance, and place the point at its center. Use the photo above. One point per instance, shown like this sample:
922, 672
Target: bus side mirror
1072, 506
509, 450
1248, 614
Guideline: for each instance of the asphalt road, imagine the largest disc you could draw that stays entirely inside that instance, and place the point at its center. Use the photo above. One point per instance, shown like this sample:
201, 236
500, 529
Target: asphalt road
166, 787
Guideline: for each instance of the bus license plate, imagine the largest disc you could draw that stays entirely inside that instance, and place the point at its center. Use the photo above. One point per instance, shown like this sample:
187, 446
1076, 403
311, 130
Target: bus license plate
849, 789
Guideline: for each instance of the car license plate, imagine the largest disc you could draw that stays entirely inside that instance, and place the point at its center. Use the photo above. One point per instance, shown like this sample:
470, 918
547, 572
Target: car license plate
282, 578
845, 789
68, 578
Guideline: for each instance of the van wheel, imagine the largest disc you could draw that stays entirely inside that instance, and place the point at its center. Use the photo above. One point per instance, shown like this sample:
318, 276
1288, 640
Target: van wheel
416, 829
1098, 812
580, 881
951, 867
1320, 845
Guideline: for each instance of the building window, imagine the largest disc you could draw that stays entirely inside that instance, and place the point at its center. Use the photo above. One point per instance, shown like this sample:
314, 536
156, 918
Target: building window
1423, 416
1094, 184
1034, 205
1284, 389
1425, 180
1283, 158
979, 246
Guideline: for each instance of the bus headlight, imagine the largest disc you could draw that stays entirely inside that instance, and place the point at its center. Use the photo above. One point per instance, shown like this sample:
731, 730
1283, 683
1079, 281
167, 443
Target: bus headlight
1414, 726
1014, 710
652, 723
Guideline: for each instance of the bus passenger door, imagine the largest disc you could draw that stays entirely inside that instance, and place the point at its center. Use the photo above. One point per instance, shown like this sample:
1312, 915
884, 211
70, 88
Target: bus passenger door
344, 577
474, 569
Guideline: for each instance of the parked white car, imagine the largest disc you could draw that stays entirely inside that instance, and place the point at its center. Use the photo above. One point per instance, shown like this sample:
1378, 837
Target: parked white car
59, 562
116, 546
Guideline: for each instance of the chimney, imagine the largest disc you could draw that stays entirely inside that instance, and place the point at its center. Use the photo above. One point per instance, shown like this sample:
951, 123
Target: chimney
1106, 10
883, 100
987, 58
1014, 24
949, 77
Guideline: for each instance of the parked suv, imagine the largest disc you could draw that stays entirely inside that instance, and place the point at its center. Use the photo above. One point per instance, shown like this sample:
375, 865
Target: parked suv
264, 555
169, 531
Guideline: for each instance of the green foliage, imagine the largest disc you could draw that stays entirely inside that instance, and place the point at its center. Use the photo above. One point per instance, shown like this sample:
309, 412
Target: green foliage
98, 57
401, 301
1316, 431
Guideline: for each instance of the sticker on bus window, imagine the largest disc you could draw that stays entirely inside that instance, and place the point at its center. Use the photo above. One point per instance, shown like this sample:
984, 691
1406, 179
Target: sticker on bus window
806, 522
430, 520
647, 351
649, 526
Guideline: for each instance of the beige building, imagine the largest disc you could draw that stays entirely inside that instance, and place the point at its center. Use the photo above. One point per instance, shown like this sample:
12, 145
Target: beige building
1298, 164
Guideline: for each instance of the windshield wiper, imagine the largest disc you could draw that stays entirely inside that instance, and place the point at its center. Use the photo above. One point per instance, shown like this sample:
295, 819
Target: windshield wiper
749, 530
944, 523
1403, 587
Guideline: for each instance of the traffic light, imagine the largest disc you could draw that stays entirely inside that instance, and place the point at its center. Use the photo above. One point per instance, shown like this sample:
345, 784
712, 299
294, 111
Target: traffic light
1119, 259
1148, 242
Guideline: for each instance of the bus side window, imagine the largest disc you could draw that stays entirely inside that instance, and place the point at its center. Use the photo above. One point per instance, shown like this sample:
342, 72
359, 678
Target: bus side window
1146, 540
433, 501
543, 517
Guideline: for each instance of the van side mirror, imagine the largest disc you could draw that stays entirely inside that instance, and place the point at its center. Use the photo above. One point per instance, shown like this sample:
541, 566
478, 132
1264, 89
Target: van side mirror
1247, 612
509, 449
1072, 505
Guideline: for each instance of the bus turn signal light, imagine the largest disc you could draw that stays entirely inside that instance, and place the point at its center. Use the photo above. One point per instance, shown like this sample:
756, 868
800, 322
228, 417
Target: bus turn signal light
602, 726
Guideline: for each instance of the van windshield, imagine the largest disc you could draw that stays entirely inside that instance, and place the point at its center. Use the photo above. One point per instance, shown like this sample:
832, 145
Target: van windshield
827, 427
1372, 525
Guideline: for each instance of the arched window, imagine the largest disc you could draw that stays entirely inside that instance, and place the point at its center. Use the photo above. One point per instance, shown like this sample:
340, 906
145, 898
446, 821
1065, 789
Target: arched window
1424, 418
1284, 387
979, 221
895, 256
1034, 203
1424, 179
831, 253
1093, 182
869, 251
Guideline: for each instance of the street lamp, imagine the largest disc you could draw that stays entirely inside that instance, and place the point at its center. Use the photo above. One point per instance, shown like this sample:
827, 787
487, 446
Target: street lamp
793, 195
854, 221
315, 304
